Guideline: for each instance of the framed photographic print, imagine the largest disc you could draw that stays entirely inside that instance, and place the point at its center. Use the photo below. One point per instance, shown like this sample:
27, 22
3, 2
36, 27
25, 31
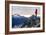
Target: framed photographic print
24, 17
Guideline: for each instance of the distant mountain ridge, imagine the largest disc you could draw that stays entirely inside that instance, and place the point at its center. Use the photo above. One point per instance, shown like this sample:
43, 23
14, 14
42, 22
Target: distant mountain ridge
17, 20
21, 21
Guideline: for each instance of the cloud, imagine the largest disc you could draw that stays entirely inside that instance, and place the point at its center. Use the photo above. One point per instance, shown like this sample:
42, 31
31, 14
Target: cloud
24, 10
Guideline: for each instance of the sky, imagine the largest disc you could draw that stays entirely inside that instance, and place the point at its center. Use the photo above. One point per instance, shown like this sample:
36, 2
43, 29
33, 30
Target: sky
24, 10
